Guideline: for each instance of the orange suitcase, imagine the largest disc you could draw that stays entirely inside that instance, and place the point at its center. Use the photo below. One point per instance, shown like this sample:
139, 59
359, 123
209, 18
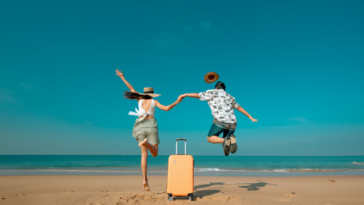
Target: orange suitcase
180, 175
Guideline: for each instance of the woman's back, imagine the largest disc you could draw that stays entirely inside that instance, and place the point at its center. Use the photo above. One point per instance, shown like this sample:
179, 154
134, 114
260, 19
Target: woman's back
148, 105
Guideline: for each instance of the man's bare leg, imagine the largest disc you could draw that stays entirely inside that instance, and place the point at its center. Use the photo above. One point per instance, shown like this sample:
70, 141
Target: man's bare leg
215, 139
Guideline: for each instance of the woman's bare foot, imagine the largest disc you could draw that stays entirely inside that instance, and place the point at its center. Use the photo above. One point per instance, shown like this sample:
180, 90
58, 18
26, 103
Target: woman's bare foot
143, 143
145, 186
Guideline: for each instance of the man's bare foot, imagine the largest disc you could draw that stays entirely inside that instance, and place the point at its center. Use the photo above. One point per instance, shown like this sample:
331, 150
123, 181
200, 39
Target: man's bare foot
143, 143
145, 186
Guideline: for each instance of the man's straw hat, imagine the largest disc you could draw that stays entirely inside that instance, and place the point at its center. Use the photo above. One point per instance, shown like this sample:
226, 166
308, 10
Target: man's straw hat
149, 91
211, 77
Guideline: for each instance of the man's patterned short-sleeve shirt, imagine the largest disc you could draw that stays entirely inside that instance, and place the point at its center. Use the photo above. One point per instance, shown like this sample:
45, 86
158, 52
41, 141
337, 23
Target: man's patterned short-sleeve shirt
221, 103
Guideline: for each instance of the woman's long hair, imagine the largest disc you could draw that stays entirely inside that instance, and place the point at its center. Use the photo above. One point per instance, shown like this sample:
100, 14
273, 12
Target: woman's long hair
135, 96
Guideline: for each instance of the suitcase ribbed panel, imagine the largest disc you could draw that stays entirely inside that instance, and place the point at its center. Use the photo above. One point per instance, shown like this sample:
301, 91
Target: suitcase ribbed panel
180, 175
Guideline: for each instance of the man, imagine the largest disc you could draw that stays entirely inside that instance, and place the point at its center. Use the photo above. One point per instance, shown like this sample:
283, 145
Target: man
222, 106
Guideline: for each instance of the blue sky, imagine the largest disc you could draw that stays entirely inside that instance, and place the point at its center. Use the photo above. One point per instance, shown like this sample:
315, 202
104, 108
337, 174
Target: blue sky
296, 66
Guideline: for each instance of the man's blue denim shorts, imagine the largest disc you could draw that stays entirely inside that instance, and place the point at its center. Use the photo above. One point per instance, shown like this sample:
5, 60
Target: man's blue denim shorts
217, 129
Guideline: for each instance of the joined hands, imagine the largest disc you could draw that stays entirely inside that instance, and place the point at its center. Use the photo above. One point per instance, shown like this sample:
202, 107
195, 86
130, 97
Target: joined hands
180, 98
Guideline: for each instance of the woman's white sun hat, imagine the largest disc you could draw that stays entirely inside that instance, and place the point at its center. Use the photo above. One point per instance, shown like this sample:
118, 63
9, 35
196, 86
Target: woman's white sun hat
149, 91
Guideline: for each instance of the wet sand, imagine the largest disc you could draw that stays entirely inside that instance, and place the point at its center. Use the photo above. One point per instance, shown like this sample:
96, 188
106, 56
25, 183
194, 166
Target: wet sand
124, 190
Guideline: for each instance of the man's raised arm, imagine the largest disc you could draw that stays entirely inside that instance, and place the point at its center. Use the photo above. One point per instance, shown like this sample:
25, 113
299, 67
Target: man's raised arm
240, 109
192, 95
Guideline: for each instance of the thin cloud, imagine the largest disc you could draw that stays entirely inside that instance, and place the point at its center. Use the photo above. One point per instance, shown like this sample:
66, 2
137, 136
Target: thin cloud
174, 62
187, 28
6, 95
298, 119
27, 86
206, 25
167, 40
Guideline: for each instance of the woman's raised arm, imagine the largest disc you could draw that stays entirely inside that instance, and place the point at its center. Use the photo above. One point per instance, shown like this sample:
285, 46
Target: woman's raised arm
169, 107
121, 75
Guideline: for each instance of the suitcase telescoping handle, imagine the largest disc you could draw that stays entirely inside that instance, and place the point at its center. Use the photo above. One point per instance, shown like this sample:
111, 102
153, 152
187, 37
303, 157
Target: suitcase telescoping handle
177, 145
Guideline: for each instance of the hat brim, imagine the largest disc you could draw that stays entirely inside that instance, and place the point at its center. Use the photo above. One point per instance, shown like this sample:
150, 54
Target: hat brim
153, 95
211, 77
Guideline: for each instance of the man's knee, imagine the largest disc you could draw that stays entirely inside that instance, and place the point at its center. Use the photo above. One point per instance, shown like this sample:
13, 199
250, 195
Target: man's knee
208, 138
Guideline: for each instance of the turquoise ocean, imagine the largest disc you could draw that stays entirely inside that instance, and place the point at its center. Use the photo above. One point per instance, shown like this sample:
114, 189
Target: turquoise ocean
204, 165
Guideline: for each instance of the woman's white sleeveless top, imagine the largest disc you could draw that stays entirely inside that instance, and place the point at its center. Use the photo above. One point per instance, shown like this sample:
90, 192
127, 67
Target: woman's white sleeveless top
142, 112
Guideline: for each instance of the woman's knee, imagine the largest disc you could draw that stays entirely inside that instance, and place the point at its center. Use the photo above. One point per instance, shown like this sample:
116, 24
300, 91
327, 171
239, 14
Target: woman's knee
145, 155
155, 154
208, 138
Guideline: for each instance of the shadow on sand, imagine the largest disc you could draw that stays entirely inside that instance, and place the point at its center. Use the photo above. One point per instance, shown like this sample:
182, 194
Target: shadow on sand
208, 185
204, 193
249, 186
255, 186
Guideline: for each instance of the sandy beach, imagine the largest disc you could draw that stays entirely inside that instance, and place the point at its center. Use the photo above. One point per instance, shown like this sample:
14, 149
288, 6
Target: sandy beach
123, 190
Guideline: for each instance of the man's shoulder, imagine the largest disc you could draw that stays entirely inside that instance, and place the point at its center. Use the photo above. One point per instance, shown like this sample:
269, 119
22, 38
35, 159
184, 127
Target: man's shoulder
228, 95
211, 91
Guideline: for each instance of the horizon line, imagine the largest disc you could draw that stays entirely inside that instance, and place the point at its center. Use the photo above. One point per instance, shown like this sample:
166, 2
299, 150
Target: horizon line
183, 154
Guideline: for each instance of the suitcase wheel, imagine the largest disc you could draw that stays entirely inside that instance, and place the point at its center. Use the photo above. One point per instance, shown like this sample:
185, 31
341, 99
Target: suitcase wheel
170, 197
192, 198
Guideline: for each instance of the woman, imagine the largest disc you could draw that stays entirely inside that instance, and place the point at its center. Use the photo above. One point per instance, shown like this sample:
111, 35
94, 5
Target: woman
145, 129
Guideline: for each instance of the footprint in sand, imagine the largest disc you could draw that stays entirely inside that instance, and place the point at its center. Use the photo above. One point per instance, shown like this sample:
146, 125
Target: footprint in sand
3, 198
220, 198
110, 197
141, 198
160, 196
20, 195
284, 199
288, 195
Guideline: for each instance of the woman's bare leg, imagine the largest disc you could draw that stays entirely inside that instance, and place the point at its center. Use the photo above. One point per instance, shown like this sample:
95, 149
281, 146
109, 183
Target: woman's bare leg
152, 148
144, 167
